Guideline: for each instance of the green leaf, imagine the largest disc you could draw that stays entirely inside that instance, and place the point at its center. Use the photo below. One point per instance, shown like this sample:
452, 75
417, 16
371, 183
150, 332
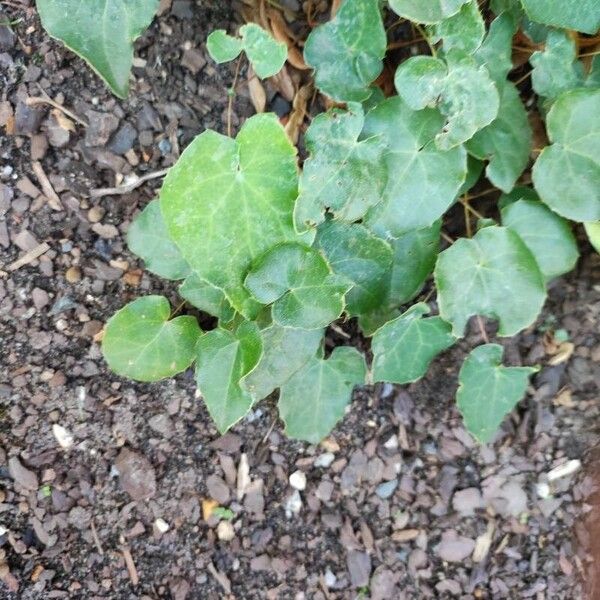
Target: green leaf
593, 78
581, 15
426, 11
347, 52
362, 258
316, 396
518, 193
404, 348
301, 286
266, 54
424, 180
488, 391
224, 358
343, 174
556, 69
495, 53
463, 31
593, 232
206, 298
506, 142
148, 238
223, 47
286, 350
226, 202
495, 275
513, 8
547, 235
474, 170
140, 342
101, 32
566, 174
462, 90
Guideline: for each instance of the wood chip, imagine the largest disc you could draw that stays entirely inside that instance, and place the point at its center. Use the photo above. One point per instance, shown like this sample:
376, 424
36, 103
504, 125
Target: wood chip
483, 543
53, 199
133, 574
405, 535
29, 257
220, 577
243, 477
257, 92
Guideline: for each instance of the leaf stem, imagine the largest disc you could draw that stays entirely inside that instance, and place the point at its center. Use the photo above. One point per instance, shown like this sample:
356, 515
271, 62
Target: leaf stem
232, 94
426, 38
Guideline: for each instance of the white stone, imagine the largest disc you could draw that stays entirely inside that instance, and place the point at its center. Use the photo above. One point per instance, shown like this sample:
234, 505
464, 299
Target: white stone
161, 525
293, 504
225, 531
63, 436
324, 460
298, 480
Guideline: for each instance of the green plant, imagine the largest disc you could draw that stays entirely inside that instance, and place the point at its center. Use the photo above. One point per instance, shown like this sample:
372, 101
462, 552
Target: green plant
277, 254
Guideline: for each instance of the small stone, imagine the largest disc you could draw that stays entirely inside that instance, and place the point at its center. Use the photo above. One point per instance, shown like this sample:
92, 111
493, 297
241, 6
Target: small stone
324, 460
330, 578
73, 274
385, 490
39, 146
122, 141
218, 489
392, 443
161, 525
225, 531
298, 480
161, 424
40, 298
193, 60
22, 475
63, 436
467, 501
293, 505
100, 127
28, 119
454, 548
105, 231
359, 568
136, 474
95, 214
7, 38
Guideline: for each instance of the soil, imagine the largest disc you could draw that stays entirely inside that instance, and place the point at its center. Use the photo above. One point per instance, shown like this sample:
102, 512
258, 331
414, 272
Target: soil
107, 486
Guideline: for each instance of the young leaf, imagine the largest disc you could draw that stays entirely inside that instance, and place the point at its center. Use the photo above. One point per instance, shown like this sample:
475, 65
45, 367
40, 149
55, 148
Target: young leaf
226, 202
404, 348
285, 351
207, 298
223, 47
299, 283
426, 11
347, 52
506, 142
547, 235
461, 89
556, 69
581, 15
463, 31
343, 174
488, 391
148, 238
593, 232
140, 342
424, 180
495, 275
315, 397
573, 125
266, 54
101, 32
362, 258
224, 358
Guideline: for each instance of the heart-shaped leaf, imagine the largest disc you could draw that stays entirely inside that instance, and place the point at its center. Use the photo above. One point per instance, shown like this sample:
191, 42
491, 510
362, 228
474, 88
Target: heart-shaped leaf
347, 52
506, 142
362, 258
463, 31
224, 358
460, 88
297, 280
148, 238
547, 235
566, 174
226, 202
102, 32
207, 298
285, 351
404, 348
343, 174
556, 69
426, 11
266, 54
316, 396
495, 53
495, 275
141, 342
581, 15
424, 180
488, 391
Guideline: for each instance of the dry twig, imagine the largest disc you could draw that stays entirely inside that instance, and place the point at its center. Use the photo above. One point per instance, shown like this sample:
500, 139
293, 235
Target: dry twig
129, 187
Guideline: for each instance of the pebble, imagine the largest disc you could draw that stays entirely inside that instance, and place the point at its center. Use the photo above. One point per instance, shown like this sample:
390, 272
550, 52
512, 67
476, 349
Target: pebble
100, 127
454, 548
22, 475
359, 568
385, 490
293, 505
225, 531
329, 578
122, 141
467, 501
95, 214
161, 525
218, 489
136, 474
298, 480
73, 274
324, 460
63, 436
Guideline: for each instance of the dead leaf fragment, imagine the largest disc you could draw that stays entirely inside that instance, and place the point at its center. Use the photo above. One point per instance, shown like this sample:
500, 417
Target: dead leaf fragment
257, 92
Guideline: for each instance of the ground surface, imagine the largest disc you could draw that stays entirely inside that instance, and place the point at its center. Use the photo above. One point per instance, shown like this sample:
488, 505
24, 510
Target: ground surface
399, 502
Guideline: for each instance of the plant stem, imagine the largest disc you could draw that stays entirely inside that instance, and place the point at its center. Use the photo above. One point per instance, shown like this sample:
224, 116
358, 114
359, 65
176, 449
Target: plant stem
232, 95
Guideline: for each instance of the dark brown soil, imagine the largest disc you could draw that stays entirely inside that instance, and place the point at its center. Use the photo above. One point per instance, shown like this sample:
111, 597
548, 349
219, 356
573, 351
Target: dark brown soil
399, 493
